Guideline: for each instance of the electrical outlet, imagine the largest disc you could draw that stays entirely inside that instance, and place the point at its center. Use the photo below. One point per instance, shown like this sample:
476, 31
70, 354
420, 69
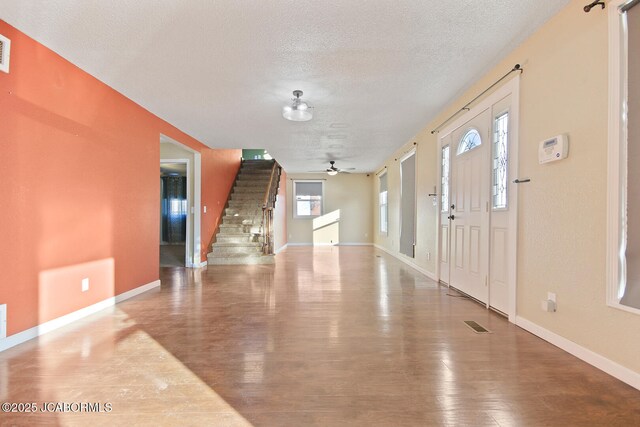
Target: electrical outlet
85, 284
428, 256
3, 321
549, 305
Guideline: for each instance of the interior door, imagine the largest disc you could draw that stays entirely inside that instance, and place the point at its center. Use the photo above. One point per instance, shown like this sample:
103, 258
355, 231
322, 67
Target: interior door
469, 206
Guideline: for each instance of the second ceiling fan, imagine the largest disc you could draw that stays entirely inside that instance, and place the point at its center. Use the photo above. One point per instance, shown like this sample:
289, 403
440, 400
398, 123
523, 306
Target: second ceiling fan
333, 170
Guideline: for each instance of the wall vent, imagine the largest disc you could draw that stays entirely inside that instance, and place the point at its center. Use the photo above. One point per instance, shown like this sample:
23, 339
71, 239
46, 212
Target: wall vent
5, 46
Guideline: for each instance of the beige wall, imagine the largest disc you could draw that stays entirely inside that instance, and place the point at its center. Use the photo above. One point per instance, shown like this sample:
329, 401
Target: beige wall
350, 194
426, 179
562, 212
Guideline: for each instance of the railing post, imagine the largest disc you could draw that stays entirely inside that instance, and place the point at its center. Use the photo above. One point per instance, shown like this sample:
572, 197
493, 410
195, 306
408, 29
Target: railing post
267, 210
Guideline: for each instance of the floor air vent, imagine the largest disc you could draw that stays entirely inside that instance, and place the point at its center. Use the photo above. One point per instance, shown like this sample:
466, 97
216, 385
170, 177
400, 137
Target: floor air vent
477, 328
5, 45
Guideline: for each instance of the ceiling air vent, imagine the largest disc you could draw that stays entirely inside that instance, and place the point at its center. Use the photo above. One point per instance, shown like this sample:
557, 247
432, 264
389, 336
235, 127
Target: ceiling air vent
5, 45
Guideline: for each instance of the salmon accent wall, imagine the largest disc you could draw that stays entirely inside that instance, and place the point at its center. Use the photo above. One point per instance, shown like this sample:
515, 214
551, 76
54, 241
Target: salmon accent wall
80, 188
219, 170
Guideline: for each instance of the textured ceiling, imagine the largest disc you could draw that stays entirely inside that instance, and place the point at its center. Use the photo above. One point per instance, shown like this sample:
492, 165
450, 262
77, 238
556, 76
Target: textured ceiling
376, 71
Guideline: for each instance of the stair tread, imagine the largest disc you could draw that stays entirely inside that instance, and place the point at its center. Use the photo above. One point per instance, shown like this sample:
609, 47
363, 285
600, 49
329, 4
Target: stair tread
237, 244
235, 255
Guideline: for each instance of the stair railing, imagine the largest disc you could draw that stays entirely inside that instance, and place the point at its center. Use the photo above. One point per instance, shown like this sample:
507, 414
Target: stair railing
268, 206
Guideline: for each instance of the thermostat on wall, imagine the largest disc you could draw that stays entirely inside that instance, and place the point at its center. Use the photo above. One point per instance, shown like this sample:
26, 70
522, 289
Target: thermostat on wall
556, 148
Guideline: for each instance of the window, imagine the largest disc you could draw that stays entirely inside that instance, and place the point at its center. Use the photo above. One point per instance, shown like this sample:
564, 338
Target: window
469, 141
408, 205
308, 198
444, 180
382, 200
623, 215
500, 161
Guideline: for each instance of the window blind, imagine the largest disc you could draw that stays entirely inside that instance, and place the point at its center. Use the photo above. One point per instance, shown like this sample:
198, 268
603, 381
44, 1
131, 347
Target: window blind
631, 296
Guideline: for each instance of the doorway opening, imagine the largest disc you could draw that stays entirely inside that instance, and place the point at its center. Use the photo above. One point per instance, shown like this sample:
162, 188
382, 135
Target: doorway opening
184, 165
174, 209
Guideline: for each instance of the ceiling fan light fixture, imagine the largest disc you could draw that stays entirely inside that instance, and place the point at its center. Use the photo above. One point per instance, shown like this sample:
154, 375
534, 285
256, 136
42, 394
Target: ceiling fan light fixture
299, 110
332, 172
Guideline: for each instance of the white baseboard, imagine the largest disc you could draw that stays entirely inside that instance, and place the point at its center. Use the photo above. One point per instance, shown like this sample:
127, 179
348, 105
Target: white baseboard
136, 291
612, 368
413, 265
36, 331
282, 248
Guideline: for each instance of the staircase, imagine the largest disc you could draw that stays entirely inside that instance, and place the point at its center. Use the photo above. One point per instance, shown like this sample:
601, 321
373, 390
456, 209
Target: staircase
241, 237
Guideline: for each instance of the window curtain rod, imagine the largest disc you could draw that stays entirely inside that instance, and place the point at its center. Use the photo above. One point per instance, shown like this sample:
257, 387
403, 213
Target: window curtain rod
415, 144
515, 68
626, 7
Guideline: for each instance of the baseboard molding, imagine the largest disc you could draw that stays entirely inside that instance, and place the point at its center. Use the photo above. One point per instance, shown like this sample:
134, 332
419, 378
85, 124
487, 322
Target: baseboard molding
136, 291
282, 248
612, 368
36, 331
415, 266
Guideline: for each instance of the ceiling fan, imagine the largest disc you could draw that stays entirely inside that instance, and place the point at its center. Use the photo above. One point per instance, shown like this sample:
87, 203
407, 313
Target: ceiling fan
333, 170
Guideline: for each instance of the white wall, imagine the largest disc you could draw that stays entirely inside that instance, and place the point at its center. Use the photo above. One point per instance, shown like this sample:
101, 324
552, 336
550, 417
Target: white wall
562, 211
345, 195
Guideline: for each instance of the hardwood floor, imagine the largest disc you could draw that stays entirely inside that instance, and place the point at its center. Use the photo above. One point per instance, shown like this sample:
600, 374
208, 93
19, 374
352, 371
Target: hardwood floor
328, 336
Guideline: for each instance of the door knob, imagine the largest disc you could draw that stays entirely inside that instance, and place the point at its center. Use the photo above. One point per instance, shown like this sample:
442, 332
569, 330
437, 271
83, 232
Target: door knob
451, 217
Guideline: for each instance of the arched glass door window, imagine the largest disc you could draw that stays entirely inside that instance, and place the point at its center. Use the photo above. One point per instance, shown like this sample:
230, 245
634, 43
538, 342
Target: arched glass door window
469, 141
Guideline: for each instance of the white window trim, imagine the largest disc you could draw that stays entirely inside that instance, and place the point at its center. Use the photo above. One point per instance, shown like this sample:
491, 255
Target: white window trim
295, 204
383, 233
616, 162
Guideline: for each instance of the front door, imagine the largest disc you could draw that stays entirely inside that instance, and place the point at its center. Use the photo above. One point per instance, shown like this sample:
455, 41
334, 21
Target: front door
469, 206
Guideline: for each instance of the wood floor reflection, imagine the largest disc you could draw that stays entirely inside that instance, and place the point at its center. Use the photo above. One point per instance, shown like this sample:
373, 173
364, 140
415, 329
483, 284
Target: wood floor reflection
327, 336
